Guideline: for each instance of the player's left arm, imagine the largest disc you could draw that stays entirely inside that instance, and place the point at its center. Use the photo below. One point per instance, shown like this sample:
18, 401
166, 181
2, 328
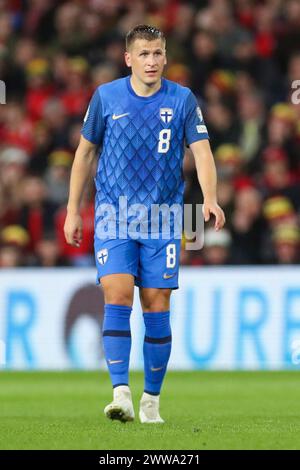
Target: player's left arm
207, 177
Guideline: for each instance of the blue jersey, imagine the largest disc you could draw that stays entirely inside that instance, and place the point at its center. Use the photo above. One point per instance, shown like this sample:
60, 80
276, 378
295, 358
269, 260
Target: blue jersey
142, 140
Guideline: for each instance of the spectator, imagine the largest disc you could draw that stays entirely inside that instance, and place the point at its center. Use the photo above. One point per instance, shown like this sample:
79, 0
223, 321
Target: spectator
230, 162
48, 254
37, 213
277, 177
247, 227
204, 59
222, 125
251, 113
40, 89
13, 168
216, 249
57, 176
13, 243
286, 241
77, 93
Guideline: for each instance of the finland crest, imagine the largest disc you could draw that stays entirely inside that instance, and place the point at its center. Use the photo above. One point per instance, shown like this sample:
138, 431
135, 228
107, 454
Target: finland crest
102, 256
166, 115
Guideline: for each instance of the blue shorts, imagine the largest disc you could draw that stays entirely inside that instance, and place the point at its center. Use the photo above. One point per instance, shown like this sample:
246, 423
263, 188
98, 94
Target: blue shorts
153, 263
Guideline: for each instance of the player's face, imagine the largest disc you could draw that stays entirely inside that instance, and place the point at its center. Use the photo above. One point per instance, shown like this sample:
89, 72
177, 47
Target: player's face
147, 60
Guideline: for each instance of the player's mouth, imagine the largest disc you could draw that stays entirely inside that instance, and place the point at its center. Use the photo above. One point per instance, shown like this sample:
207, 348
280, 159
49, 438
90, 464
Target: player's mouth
151, 72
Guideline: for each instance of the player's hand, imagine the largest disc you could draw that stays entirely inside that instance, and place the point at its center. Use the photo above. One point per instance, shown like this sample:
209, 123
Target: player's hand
213, 208
73, 229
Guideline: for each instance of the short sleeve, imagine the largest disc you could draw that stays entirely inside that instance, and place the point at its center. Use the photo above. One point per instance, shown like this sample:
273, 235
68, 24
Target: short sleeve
93, 122
195, 128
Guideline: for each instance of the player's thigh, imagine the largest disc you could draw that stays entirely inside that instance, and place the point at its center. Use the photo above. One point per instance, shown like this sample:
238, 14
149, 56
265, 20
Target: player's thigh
159, 263
155, 300
118, 289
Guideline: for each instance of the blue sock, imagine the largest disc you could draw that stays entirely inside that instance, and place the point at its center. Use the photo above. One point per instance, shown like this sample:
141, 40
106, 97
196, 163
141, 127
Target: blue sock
117, 342
157, 349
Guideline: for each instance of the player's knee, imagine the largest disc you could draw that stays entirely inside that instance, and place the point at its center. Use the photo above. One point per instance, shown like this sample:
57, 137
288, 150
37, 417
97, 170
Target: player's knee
158, 301
118, 298
157, 307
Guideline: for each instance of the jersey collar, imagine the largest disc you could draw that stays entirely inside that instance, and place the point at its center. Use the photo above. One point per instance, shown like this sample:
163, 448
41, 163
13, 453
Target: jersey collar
146, 98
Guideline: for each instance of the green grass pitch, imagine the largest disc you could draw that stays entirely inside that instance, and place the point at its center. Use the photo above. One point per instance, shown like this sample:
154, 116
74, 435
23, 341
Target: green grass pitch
202, 410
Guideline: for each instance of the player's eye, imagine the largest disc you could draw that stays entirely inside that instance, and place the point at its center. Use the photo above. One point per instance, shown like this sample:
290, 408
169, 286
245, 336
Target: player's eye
144, 53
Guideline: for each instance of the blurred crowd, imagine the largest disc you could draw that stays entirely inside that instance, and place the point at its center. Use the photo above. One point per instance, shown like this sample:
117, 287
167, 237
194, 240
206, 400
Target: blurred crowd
241, 59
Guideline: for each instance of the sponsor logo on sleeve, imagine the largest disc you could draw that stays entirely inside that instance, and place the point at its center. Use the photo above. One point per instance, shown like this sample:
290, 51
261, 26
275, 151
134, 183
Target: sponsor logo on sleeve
201, 129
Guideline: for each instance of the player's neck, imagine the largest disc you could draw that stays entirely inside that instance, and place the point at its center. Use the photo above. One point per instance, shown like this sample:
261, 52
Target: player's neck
142, 89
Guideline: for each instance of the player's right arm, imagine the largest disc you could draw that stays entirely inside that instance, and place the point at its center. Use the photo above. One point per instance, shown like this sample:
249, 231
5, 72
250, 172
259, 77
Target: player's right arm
80, 173
91, 136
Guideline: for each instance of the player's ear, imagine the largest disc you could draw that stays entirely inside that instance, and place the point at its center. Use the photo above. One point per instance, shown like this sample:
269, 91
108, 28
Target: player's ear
127, 59
165, 54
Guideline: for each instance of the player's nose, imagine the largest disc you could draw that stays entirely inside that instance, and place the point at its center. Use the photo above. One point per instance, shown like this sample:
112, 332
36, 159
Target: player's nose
152, 59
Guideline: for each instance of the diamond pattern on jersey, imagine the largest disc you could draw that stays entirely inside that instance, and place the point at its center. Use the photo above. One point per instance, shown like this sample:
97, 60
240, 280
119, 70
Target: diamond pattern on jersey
130, 164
